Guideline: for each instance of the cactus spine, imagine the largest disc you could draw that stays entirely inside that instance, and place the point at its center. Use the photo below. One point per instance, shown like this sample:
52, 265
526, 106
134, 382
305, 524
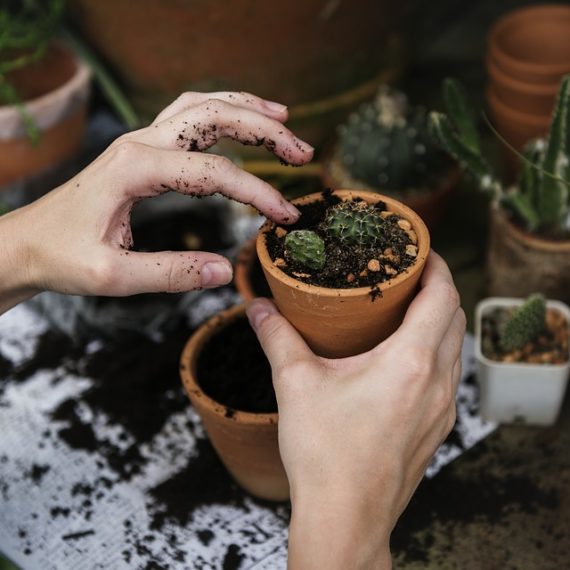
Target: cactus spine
305, 248
541, 198
524, 325
354, 223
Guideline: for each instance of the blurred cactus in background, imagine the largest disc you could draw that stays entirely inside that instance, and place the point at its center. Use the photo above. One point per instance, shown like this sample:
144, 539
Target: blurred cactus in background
524, 325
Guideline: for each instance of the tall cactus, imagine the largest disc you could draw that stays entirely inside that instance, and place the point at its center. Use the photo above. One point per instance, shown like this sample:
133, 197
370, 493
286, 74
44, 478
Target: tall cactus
524, 325
541, 198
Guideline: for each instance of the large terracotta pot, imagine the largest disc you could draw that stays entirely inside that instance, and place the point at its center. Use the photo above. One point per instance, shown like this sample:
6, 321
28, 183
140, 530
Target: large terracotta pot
430, 205
245, 442
343, 322
520, 263
531, 44
316, 56
529, 98
55, 92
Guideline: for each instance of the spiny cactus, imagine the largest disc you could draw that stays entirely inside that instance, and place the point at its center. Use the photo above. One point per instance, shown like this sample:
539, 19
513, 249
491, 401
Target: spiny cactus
524, 325
305, 248
541, 197
354, 223
386, 144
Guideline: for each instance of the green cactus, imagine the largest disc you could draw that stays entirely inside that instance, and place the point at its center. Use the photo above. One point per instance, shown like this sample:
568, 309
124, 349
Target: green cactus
386, 143
305, 248
524, 325
541, 197
354, 223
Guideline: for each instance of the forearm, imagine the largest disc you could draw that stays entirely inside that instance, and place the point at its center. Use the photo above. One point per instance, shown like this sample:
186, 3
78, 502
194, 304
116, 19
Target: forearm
16, 282
335, 534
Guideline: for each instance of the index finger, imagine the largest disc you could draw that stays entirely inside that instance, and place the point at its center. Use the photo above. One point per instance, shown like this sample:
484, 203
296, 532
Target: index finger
431, 313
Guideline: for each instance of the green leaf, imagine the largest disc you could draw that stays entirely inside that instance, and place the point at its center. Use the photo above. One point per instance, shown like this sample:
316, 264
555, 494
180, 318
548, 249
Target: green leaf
461, 113
522, 206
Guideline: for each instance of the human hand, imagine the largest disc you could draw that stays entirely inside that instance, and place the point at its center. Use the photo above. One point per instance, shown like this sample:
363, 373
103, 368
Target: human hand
356, 434
76, 239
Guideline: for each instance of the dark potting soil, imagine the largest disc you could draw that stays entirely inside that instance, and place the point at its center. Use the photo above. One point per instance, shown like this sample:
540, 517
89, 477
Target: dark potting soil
233, 370
344, 261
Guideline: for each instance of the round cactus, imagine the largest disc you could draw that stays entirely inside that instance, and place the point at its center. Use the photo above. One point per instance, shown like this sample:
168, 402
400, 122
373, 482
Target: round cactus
524, 325
386, 144
305, 248
354, 223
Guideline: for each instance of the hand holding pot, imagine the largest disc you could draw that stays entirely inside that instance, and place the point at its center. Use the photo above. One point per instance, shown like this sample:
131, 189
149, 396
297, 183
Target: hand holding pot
357, 434
76, 239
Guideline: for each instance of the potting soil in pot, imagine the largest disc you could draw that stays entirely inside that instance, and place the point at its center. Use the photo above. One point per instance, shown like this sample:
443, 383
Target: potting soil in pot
233, 370
347, 265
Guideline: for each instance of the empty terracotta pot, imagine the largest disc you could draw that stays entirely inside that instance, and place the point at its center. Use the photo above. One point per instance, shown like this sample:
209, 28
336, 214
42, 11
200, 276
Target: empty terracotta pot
515, 127
55, 92
343, 322
532, 44
530, 98
245, 442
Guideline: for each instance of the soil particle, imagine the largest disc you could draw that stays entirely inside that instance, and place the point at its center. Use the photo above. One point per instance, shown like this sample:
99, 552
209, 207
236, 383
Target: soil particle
37, 472
233, 558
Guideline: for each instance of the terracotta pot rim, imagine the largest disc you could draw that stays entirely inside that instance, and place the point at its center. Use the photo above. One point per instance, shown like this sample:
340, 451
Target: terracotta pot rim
536, 242
513, 18
38, 104
501, 77
371, 197
527, 119
188, 373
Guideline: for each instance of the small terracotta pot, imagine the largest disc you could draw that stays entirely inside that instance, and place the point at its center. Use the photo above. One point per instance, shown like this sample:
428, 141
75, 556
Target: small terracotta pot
245, 270
343, 322
515, 127
246, 442
430, 205
520, 263
530, 98
532, 44
60, 87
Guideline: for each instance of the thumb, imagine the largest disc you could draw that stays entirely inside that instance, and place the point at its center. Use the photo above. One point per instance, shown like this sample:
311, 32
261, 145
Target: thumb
280, 341
169, 271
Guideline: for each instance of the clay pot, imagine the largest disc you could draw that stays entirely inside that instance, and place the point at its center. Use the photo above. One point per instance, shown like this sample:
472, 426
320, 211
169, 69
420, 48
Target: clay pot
56, 91
515, 127
430, 205
531, 44
519, 263
343, 322
284, 51
249, 279
245, 442
529, 98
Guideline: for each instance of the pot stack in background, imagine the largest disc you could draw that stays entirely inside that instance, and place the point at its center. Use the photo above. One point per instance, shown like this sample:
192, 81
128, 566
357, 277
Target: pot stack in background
528, 52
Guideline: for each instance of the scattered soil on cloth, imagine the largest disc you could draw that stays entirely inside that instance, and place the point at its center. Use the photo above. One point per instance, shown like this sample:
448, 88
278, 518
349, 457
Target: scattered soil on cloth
346, 267
233, 370
550, 347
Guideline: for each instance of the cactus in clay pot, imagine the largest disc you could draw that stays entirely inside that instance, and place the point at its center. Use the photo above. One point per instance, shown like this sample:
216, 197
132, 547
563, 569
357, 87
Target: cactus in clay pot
386, 143
354, 223
524, 325
306, 248
541, 196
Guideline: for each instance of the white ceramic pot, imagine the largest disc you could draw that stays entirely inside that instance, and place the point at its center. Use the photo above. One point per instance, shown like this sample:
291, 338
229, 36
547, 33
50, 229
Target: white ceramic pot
518, 392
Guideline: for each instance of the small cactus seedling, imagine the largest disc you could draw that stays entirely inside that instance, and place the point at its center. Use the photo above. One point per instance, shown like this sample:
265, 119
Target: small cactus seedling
354, 223
541, 198
386, 143
524, 325
305, 248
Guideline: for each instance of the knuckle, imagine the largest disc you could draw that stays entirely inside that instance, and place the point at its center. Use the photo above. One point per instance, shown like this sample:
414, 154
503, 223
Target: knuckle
420, 363
223, 165
126, 150
216, 105
103, 276
451, 295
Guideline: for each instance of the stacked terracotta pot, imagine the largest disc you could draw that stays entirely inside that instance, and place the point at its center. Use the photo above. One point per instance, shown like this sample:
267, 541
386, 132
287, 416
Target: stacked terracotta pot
528, 52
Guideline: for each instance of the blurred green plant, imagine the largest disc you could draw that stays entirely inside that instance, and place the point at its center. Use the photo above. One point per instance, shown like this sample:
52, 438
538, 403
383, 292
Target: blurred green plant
26, 29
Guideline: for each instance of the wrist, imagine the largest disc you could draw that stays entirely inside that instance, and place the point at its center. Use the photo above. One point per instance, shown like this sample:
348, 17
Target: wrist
329, 530
16, 281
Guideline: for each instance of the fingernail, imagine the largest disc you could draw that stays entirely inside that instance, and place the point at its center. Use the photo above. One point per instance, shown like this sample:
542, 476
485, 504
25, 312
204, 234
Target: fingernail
276, 107
216, 273
302, 145
258, 311
292, 211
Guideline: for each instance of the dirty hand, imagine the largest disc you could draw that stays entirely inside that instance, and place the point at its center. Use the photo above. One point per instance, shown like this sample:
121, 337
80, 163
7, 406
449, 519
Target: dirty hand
357, 434
76, 239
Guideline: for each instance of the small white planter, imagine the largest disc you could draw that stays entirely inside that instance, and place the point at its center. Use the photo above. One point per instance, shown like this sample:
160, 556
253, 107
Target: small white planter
518, 392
